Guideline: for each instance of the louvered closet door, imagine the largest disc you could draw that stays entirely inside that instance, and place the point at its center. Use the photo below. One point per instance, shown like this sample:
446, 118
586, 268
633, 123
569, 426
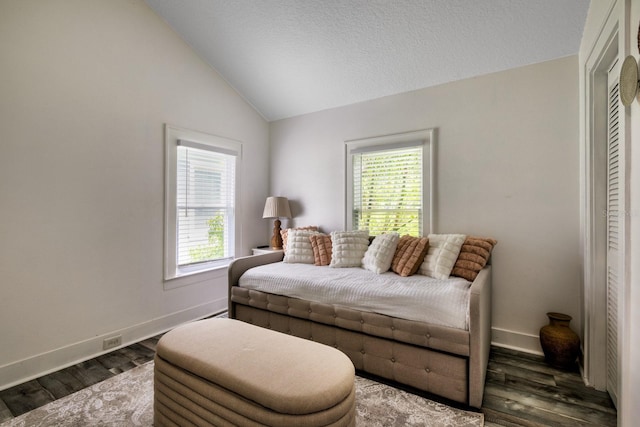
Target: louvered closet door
614, 128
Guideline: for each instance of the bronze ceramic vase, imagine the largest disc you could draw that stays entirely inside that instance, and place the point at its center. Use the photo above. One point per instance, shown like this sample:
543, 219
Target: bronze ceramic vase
559, 343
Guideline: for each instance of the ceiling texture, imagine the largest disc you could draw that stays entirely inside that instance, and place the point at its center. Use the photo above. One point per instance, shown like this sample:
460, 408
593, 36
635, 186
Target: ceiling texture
292, 57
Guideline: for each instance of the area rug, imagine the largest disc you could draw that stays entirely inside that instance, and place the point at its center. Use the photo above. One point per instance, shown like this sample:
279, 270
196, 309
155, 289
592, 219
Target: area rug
127, 400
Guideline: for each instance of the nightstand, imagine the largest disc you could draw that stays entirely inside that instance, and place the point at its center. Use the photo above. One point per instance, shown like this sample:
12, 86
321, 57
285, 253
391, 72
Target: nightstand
265, 250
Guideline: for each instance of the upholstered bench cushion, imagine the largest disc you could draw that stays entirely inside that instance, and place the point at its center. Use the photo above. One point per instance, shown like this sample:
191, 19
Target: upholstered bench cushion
286, 374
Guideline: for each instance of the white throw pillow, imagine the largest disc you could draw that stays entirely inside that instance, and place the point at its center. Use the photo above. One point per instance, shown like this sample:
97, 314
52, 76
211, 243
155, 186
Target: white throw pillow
299, 249
380, 253
348, 248
442, 255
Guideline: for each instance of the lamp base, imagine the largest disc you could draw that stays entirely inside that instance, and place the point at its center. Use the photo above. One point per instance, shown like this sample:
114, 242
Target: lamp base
276, 239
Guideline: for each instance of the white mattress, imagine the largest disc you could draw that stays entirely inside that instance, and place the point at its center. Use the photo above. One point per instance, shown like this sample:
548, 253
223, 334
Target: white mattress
418, 297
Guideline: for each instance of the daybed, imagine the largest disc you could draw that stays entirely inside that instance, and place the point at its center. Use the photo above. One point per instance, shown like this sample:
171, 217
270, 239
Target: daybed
448, 361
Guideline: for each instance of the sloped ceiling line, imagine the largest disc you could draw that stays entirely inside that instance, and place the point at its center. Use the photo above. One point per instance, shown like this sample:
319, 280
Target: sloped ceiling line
292, 57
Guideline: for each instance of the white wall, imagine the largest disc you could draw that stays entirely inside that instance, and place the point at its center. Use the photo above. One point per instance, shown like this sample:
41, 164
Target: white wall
85, 89
507, 167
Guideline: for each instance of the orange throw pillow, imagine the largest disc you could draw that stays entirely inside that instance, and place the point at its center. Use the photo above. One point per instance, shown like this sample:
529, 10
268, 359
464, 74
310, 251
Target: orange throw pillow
409, 255
321, 245
474, 254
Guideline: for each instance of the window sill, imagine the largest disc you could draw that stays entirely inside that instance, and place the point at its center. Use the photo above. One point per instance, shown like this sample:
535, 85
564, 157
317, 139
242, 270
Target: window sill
186, 278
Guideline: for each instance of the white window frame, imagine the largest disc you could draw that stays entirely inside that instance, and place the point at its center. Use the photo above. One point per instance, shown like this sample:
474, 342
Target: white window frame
426, 138
173, 136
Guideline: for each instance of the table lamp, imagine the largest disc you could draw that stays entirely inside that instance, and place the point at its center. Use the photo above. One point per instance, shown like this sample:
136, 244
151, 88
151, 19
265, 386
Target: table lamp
276, 207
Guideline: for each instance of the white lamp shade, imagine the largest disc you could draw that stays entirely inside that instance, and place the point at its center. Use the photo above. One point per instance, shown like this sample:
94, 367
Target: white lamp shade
276, 207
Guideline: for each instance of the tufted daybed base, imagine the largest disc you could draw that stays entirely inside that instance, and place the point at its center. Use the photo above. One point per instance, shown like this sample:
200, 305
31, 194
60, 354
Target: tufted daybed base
441, 360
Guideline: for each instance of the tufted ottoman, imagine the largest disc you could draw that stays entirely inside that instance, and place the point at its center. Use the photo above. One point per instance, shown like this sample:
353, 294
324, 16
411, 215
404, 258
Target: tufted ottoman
226, 372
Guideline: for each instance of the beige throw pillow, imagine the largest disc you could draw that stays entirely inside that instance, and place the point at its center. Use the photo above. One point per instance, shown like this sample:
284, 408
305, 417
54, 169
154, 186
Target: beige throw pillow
380, 253
442, 255
285, 234
299, 248
348, 248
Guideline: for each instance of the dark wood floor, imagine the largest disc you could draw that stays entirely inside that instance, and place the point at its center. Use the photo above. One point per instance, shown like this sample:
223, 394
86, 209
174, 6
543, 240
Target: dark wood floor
521, 390
32, 394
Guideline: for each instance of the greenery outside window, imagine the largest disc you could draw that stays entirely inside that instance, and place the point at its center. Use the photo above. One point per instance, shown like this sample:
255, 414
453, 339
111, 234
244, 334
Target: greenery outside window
389, 185
200, 211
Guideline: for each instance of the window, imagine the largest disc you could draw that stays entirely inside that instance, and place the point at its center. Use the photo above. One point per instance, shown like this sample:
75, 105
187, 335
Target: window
200, 207
389, 184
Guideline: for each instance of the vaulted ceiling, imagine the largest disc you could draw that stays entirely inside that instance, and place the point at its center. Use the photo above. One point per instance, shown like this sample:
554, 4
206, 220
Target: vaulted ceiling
291, 57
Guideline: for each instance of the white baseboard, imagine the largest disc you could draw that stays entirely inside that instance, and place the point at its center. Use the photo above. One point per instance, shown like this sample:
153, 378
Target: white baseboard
42, 364
513, 340
45, 363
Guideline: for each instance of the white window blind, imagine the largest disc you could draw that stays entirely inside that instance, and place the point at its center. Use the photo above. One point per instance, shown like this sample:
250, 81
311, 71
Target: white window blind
205, 203
201, 196
388, 189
